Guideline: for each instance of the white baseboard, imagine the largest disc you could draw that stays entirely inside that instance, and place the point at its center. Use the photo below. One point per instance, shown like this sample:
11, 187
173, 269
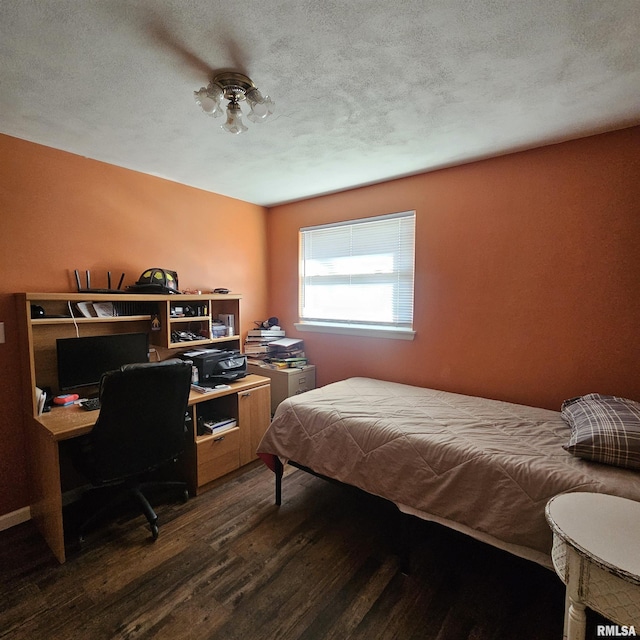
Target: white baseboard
14, 518
19, 516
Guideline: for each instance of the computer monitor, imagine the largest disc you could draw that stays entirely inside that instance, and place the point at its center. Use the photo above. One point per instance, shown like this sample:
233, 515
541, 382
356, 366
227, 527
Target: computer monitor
82, 361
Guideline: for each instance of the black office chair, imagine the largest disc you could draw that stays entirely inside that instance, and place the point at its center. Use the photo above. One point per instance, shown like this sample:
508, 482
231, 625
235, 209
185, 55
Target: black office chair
141, 427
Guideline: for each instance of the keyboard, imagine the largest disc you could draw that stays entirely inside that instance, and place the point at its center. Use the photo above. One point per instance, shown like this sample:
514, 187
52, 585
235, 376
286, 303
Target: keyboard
91, 404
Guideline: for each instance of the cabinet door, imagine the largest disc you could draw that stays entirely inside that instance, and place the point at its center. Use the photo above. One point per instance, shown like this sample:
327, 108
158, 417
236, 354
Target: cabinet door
254, 415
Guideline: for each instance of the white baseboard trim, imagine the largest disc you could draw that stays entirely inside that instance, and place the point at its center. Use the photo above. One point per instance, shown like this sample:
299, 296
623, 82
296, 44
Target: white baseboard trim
19, 516
14, 518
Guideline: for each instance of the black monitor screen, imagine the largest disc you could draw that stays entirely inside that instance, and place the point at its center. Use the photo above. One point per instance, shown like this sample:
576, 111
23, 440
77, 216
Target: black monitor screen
82, 361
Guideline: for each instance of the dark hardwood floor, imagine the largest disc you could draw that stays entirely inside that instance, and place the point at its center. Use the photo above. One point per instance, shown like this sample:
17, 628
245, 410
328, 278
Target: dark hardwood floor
229, 565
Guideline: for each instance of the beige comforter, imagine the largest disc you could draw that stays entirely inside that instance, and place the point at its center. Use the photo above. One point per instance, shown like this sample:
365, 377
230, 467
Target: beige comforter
481, 466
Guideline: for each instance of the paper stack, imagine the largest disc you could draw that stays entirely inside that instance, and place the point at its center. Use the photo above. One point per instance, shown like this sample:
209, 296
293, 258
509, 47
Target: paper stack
256, 346
287, 352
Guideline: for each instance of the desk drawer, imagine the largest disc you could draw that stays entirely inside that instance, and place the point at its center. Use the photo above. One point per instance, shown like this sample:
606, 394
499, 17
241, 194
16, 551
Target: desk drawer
218, 455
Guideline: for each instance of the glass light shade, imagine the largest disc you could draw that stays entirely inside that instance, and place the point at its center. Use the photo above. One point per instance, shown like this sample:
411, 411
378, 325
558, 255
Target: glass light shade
261, 106
208, 99
234, 122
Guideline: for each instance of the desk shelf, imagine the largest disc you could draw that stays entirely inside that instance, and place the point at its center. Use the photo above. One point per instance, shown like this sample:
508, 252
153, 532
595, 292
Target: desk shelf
149, 313
206, 458
178, 319
83, 320
188, 344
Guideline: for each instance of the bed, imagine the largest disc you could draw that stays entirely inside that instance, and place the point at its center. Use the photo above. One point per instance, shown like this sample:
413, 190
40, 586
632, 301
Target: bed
483, 467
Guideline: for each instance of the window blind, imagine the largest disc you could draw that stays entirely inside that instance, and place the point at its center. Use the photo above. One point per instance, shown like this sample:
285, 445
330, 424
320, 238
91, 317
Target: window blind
359, 272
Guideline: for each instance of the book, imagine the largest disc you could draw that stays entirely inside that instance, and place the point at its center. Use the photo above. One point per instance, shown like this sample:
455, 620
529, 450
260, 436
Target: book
103, 309
258, 359
41, 398
274, 365
294, 352
269, 333
201, 389
228, 319
87, 309
287, 343
213, 425
96, 309
288, 362
256, 348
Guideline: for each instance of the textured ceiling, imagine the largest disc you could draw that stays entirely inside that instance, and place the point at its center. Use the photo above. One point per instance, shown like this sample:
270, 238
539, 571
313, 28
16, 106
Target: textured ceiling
365, 90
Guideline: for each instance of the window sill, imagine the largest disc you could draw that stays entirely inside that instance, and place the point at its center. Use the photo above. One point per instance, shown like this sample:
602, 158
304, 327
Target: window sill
365, 331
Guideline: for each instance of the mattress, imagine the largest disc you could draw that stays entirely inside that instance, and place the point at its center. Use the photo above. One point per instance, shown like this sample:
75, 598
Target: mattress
484, 467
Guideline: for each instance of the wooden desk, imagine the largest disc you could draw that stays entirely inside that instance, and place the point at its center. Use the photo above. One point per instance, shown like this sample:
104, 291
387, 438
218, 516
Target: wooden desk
63, 423
596, 554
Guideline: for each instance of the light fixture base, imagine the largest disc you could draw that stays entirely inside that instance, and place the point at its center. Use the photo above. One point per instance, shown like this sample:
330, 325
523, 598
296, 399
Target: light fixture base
234, 85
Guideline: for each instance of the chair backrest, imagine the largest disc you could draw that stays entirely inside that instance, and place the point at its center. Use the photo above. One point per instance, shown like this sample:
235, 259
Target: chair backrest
142, 419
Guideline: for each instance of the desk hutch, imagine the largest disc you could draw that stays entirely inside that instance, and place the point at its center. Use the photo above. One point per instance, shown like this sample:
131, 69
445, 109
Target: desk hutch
207, 458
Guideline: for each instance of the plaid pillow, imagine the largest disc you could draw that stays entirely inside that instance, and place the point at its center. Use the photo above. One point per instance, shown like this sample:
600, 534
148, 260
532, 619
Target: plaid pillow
604, 429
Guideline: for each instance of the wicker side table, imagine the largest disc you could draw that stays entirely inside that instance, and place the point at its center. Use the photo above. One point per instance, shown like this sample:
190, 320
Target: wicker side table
596, 553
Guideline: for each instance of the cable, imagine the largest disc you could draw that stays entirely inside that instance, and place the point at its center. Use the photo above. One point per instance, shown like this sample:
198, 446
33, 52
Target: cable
75, 324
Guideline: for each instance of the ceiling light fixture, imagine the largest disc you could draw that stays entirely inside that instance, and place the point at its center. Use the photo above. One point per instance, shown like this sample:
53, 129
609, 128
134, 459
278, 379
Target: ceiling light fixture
234, 87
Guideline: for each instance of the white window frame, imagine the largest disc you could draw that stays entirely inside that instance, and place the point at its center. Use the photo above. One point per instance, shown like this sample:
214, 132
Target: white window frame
402, 278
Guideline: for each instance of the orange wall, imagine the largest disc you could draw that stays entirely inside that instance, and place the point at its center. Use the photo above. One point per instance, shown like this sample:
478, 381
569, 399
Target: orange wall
527, 283
59, 212
527, 274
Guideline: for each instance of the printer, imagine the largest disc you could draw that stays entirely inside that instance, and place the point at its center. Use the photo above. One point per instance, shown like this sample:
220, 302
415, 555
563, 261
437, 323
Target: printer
216, 366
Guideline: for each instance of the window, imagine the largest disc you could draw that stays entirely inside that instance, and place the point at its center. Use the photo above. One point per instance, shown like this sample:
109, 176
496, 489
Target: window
358, 276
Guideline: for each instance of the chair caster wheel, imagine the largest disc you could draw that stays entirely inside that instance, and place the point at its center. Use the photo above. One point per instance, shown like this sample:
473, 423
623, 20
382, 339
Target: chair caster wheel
185, 496
155, 531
